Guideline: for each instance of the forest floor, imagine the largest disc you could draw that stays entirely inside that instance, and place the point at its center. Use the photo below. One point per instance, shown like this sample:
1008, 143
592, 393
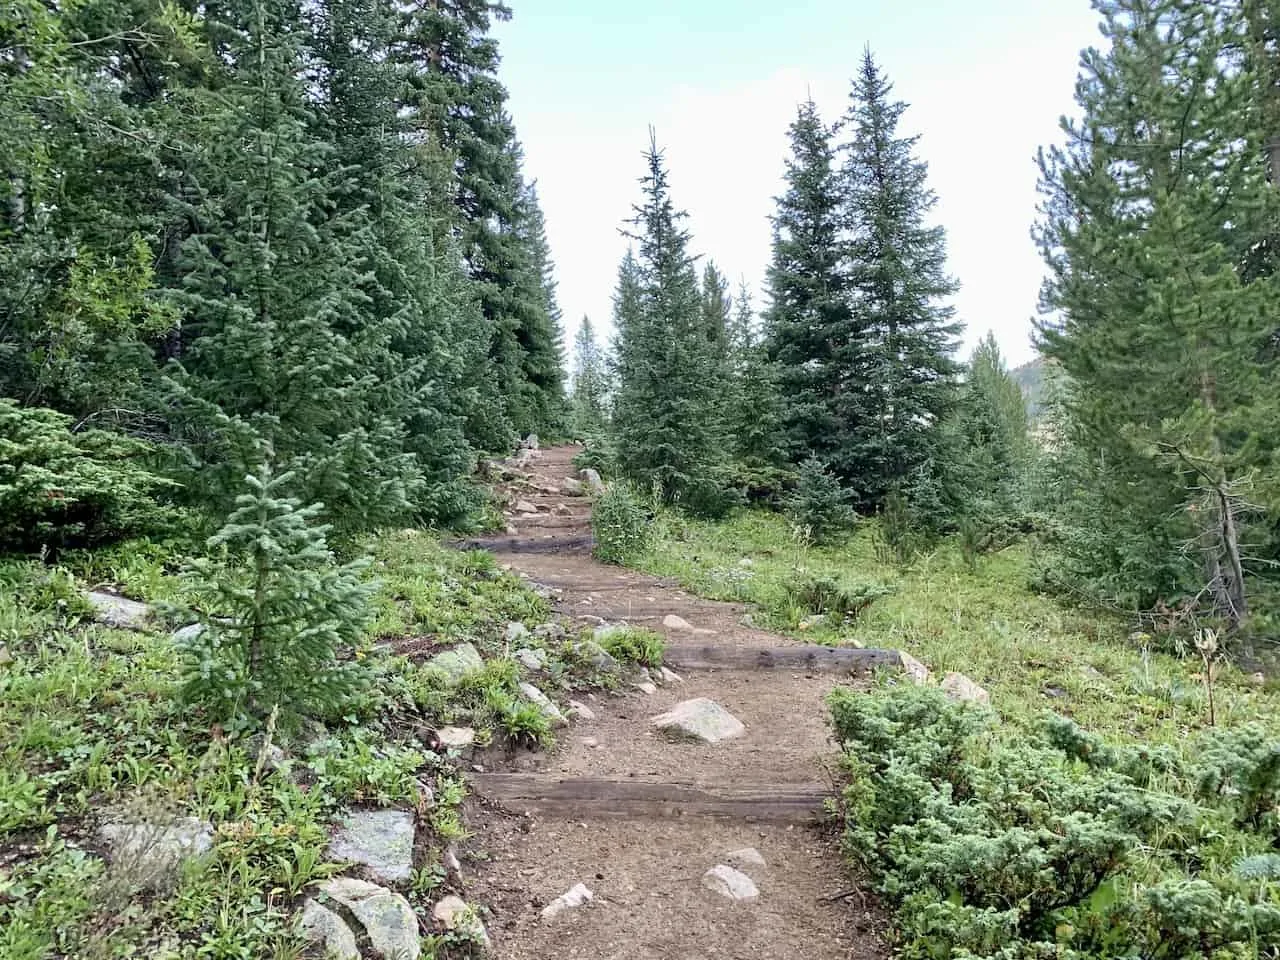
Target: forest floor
646, 868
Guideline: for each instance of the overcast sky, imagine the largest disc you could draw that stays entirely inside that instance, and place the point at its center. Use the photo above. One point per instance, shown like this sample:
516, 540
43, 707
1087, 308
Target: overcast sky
987, 81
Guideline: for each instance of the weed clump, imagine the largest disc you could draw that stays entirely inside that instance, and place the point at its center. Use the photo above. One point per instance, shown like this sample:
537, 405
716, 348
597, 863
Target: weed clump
620, 524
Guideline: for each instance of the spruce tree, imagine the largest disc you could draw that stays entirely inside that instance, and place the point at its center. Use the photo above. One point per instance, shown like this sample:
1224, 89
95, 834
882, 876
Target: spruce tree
540, 336
1154, 312
808, 325
752, 408
666, 423
590, 384
903, 333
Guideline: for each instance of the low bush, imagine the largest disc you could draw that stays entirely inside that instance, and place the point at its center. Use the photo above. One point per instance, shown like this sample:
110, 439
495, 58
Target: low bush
620, 523
61, 489
1035, 840
634, 645
819, 505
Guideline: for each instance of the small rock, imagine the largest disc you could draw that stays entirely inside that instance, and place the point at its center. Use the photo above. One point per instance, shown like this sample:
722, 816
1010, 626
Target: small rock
1091, 673
580, 711
562, 510
916, 671
572, 487
511, 530
591, 743
456, 738
458, 662
388, 920
548, 631
525, 507
672, 622
746, 857
452, 865
530, 442
646, 686
532, 659
549, 709
453, 914
812, 621
119, 612
575, 897
746, 562
515, 631
1258, 679
959, 687
699, 719
596, 655
322, 926
6, 657
379, 840
730, 883
591, 480
188, 634
151, 854
669, 676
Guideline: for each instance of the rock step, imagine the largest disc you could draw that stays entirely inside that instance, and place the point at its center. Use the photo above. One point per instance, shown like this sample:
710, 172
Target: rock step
549, 521
552, 543
801, 657
590, 798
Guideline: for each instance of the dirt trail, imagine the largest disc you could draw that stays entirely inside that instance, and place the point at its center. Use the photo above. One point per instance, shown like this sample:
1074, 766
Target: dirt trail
647, 874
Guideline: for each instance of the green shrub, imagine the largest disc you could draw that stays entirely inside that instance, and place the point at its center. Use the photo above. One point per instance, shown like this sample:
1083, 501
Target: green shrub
996, 840
819, 505
61, 489
634, 645
275, 613
824, 594
620, 524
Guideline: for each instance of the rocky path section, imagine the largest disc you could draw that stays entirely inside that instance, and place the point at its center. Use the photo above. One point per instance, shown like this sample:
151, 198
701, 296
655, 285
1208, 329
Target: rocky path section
693, 844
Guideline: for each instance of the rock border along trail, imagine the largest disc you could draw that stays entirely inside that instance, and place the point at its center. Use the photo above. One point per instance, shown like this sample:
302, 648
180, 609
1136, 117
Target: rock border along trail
690, 850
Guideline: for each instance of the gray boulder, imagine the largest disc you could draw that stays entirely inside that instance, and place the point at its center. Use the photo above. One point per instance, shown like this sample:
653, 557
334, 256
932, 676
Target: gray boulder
151, 854
381, 841
515, 631
959, 687
119, 612
699, 719
730, 883
543, 702
458, 662
591, 480
324, 928
388, 921
596, 655
454, 915
532, 659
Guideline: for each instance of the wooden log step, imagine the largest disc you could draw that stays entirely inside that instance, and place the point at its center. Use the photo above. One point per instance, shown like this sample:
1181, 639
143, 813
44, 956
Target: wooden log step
801, 657
583, 799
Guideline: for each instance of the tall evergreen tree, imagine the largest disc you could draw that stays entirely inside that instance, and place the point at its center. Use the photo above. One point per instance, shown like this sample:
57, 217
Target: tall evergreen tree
752, 408
540, 336
665, 416
590, 383
808, 325
889, 413
1153, 310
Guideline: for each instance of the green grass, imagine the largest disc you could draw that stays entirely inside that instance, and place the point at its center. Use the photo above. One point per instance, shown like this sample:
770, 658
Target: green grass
1030, 651
90, 723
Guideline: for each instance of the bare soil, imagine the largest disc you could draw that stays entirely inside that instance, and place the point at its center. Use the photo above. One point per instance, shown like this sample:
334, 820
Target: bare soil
646, 875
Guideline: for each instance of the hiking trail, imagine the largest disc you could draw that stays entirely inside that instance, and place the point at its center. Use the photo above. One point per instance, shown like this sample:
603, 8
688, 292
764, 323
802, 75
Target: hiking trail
640, 819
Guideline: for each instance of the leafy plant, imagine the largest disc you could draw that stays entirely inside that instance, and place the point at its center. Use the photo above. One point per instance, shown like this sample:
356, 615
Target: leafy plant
620, 525
634, 645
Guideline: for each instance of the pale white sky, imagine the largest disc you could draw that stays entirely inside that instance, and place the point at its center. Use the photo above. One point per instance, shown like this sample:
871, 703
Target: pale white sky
986, 80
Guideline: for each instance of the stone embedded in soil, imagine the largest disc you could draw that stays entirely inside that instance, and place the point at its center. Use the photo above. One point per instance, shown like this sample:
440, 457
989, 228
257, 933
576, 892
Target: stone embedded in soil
524, 506
646, 686
515, 631
959, 687
456, 738
916, 671
580, 711
744, 858
530, 442
730, 883
454, 915
596, 655
388, 920
575, 897
114, 611
379, 840
458, 662
323, 927
532, 659
187, 635
672, 622
699, 719
543, 702
150, 854
669, 676
572, 487
591, 480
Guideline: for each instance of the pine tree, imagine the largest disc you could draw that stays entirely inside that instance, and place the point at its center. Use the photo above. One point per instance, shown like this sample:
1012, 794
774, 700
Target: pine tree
808, 324
590, 384
903, 379
666, 425
1149, 213
283, 359
540, 336
276, 613
752, 411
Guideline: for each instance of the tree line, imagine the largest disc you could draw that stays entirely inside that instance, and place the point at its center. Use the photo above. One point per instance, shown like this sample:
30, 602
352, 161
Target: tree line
1150, 485
268, 232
